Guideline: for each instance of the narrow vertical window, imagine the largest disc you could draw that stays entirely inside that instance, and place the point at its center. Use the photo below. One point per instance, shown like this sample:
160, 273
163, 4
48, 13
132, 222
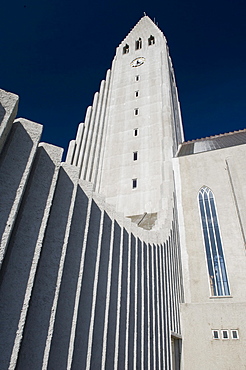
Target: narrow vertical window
138, 44
135, 156
234, 334
125, 49
137, 78
134, 183
225, 334
151, 40
213, 244
136, 94
136, 111
215, 334
135, 132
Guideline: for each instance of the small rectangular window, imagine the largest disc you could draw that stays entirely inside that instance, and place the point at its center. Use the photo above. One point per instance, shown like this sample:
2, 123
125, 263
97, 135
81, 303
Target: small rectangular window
215, 334
225, 334
136, 111
134, 183
137, 78
234, 334
136, 94
135, 156
135, 132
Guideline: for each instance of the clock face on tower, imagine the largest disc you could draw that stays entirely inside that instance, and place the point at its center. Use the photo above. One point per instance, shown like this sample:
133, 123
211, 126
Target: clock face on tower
137, 62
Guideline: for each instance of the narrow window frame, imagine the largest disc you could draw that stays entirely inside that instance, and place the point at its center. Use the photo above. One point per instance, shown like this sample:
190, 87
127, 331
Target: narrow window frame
134, 183
135, 132
136, 111
136, 93
151, 40
215, 334
125, 49
237, 335
225, 334
138, 44
137, 78
135, 156
216, 264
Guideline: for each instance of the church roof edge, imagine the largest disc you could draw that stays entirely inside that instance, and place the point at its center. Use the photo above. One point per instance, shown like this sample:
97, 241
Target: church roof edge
142, 19
221, 141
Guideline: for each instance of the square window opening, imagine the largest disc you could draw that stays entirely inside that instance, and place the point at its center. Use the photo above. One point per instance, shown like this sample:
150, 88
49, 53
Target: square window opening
134, 183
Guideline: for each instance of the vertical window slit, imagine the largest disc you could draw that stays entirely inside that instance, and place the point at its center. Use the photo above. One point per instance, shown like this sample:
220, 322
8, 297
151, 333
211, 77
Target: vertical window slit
134, 183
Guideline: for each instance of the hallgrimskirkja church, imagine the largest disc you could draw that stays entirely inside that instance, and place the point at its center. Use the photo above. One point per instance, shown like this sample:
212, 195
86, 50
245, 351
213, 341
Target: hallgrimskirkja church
131, 254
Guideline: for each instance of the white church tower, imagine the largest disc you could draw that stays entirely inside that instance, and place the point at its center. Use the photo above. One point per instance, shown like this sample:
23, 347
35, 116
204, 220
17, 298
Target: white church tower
133, 128
131, 254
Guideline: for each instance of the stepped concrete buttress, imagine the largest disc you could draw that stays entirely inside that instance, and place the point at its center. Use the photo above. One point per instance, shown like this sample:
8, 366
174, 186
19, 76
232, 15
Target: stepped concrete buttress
81, 286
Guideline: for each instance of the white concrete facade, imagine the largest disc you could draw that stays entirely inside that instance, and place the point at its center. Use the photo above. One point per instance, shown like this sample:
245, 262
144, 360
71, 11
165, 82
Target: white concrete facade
83, 287
139, 116
223, 171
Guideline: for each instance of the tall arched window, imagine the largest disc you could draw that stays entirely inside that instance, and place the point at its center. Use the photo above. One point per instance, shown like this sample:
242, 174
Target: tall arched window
213, 245
138, 44
151, 40
126, 49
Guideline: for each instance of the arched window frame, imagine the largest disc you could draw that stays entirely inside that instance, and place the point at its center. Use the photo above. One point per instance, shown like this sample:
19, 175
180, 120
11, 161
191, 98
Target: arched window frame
138, 44
151, 40
126, 49
217, 273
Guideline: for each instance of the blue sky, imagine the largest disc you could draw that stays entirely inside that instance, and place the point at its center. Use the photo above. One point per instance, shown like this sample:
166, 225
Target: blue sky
55, 53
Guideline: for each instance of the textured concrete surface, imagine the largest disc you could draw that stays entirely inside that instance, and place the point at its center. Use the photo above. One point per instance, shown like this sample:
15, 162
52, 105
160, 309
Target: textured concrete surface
83, 287
15, 166
8, 110
105, 143
223, 171
78, 284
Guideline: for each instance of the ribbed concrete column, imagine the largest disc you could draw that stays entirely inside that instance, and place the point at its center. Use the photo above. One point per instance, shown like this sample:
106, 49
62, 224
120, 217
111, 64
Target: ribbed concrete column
88, 137
15, 165
70, 151
76, 335
21, 260
121, 350
84, 138
65, 319
39, 326
101, 132
128, 301
78, 140
102, 289
97, 181
107, 299
93, 139
8, 109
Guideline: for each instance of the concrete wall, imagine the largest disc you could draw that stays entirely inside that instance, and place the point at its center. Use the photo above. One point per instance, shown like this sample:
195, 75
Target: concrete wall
223, 171
80, 285
83, 287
